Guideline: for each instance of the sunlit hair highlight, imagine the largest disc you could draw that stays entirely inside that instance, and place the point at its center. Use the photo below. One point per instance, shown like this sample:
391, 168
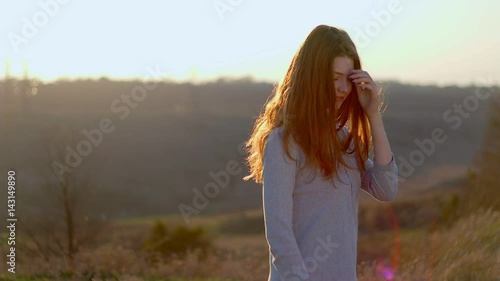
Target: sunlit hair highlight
303, 103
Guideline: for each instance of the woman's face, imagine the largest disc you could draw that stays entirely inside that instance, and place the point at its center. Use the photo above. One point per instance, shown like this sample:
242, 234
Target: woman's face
342, 66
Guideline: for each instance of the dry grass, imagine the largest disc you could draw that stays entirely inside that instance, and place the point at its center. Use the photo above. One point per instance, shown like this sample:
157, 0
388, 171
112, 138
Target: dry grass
468, 250
122, 264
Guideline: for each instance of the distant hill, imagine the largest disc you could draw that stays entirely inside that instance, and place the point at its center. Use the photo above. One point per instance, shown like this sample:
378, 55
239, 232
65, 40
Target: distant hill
179, 133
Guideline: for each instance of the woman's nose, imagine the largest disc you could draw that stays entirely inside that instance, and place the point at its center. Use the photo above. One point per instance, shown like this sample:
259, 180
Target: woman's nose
343, 87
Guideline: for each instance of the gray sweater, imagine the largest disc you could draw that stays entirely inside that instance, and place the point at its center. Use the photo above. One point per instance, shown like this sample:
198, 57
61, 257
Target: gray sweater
311, 227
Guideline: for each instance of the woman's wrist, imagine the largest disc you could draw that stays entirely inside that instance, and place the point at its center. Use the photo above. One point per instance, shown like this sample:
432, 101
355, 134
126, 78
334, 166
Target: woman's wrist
374, 115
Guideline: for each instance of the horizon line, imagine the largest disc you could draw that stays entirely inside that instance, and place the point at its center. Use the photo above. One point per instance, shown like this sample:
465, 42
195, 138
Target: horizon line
222, 78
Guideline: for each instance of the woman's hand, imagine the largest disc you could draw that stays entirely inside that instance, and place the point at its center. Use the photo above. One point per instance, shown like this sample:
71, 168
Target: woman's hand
368, 91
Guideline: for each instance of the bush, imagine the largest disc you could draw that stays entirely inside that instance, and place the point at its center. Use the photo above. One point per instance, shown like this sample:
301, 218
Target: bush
177, 242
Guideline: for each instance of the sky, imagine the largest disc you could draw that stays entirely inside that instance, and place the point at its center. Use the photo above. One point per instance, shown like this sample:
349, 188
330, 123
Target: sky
448, 42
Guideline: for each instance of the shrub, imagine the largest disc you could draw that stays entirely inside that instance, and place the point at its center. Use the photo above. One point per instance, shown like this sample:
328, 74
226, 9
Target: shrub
177, 242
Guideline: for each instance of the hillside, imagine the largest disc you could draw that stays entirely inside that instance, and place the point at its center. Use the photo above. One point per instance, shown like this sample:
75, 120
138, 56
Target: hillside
169, 143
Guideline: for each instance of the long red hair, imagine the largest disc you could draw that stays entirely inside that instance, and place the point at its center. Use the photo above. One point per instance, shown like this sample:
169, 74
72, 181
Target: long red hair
303, 102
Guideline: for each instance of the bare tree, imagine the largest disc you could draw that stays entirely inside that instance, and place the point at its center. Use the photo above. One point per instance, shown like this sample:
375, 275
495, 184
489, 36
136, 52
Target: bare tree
64, 223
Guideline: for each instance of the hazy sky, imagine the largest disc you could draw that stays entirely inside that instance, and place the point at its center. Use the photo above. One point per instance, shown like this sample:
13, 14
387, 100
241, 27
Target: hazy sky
419, 41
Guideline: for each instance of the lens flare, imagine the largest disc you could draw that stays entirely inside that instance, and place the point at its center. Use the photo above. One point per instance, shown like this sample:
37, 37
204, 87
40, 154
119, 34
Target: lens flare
383, 268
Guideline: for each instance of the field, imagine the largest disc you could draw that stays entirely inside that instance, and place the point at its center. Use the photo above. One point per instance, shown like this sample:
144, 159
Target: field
466, 248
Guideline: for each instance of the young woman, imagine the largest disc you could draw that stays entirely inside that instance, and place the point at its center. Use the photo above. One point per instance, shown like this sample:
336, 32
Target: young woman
309, 148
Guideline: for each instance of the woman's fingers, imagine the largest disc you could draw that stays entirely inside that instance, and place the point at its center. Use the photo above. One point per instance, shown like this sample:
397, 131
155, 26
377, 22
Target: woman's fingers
367, 86
363, 79
359, 74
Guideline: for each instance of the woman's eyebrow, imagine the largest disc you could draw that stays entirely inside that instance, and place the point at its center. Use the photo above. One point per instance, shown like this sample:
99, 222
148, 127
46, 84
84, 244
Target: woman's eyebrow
339, 73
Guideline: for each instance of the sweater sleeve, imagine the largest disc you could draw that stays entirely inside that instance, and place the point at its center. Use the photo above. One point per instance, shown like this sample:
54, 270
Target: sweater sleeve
278, 185
380, 181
